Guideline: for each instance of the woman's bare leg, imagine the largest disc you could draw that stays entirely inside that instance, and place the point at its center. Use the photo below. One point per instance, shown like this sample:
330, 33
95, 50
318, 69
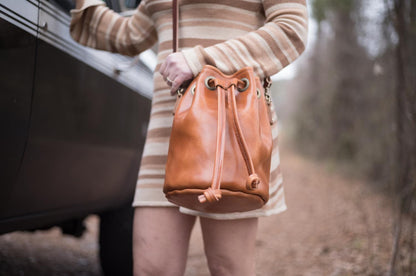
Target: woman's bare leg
160, 241
230, 246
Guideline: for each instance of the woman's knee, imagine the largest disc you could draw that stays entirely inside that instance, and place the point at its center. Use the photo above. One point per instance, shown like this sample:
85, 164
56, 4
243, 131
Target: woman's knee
149, 268
225, 265
230, 246
222, 265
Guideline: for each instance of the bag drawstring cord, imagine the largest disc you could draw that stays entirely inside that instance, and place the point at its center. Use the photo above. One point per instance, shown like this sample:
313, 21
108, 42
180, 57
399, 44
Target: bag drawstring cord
213, 193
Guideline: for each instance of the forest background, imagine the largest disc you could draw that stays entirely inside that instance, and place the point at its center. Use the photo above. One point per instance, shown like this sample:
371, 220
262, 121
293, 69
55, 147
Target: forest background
351, 106
353, 100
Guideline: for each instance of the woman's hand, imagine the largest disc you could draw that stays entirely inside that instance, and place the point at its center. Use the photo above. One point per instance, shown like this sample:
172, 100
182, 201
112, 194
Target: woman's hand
175, 71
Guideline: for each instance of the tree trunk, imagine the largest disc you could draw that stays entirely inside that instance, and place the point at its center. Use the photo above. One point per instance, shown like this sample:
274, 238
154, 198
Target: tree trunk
405, 25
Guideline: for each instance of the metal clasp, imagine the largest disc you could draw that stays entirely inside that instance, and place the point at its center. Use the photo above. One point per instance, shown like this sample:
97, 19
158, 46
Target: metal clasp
180, 91
267, 85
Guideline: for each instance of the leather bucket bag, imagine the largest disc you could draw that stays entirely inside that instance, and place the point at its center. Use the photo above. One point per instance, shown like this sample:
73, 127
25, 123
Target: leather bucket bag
220, 146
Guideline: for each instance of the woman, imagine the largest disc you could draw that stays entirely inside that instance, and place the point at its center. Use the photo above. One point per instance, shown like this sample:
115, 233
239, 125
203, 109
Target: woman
264, 34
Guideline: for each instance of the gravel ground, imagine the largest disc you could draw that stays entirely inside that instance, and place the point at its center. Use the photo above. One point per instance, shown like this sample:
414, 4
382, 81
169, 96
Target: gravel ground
334, 226
44, 253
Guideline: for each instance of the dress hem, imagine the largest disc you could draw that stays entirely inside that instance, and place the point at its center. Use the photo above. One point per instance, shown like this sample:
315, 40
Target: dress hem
235, 215
229, 216
153, 204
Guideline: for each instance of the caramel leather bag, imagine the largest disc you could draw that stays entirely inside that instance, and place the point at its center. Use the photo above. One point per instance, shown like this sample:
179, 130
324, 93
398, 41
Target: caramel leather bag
220, 145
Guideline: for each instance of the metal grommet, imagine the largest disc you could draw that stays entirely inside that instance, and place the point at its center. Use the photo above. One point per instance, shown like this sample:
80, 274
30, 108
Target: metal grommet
207, 80
247, 82
258, 93
193, 89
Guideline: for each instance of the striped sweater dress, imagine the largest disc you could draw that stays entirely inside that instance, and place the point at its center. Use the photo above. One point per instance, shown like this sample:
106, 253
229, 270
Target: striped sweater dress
229, 34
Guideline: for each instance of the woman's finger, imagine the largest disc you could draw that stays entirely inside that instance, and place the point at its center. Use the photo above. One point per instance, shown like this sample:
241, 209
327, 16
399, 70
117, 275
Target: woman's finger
176, 84
162, 68
174, 89
175, 71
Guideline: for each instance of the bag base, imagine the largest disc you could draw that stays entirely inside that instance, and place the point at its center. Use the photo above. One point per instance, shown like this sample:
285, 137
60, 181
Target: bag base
231, 201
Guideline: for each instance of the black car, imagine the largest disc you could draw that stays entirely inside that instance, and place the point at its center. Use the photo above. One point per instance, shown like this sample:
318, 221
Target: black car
73, 125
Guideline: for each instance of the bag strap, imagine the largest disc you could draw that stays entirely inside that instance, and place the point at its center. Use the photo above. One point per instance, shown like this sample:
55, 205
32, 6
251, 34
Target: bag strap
175, 19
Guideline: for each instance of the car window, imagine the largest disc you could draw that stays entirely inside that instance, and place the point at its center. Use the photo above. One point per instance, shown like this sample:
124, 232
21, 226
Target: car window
131, 4
66, 5
122, 5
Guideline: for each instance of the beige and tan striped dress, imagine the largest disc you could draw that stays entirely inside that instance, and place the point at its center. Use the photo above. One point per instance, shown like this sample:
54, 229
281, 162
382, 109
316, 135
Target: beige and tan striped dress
230, 34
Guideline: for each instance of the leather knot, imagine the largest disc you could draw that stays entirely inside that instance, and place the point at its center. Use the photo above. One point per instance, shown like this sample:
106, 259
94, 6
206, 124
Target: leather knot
210, 195
253, 181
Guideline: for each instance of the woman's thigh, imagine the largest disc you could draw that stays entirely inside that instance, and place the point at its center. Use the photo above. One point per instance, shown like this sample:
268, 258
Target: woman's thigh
160, 240
230, 246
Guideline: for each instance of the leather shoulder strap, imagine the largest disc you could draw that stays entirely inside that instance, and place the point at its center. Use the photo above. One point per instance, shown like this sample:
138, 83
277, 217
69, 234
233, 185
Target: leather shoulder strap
175, 15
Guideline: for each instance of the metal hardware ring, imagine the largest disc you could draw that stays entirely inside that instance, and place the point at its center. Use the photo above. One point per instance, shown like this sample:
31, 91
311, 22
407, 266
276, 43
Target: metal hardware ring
207, 83
247, 82
169, 81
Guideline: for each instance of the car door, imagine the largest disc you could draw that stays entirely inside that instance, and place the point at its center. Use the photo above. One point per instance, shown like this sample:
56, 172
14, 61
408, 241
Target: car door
85, 124
18, 31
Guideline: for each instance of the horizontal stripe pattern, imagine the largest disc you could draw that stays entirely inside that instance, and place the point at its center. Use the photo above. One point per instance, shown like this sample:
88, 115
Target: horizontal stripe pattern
96, 26
264, 34
267, 49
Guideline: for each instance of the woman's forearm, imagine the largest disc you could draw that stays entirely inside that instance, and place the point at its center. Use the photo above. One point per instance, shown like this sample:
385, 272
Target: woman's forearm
96, 26
268, 50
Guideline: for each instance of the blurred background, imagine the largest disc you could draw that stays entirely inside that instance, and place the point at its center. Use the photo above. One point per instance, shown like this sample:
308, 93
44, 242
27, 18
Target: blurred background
350, 102
341, 100
347, 110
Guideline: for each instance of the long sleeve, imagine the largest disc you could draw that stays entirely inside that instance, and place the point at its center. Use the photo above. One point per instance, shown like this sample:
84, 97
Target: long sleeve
268, 49
96, 26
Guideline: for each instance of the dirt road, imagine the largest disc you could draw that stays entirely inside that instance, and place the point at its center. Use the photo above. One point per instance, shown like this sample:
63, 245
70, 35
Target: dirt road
333, 226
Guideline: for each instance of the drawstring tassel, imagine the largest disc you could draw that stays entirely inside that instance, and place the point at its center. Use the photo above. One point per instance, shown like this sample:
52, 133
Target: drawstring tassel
253, 181
210, 195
